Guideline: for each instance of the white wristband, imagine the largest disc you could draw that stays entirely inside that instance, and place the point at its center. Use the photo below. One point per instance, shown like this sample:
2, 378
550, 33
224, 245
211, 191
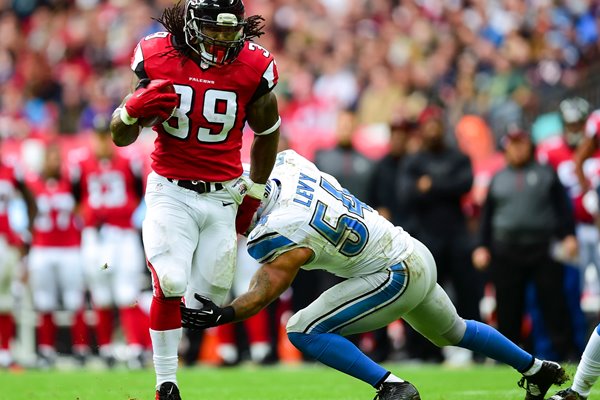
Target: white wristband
271, 129
127, 120
257, 190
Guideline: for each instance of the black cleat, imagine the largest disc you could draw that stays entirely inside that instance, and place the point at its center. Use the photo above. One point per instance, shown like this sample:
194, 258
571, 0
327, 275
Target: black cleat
567, 394
397, 391
538, 384
168, 391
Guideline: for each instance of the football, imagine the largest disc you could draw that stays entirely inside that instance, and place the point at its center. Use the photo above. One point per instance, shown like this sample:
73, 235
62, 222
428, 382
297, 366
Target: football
148, 122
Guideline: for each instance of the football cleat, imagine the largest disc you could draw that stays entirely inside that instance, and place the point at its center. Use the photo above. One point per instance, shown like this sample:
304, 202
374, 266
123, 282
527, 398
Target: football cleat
397, 391
168, 391
567, 394
537, 385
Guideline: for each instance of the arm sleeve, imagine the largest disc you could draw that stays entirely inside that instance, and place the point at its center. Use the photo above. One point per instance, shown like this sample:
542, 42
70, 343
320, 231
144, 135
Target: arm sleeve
137, 62
267, 82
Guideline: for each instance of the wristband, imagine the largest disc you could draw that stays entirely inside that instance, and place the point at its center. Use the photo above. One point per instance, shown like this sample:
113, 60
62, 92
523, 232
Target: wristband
257, 190
126, 118
228, 315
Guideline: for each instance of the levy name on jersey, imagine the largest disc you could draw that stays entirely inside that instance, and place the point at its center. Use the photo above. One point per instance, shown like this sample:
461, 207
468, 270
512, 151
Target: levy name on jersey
203, 138
347, 236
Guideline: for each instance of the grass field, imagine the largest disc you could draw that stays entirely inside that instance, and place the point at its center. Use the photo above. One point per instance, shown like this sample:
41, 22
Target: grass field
308, 382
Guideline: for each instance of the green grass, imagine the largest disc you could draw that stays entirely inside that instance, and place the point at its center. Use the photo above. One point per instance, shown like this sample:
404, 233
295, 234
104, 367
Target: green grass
309, 382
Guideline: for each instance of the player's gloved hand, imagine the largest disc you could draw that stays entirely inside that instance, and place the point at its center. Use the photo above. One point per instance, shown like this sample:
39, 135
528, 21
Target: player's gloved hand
245, 213
150, 100
208, 316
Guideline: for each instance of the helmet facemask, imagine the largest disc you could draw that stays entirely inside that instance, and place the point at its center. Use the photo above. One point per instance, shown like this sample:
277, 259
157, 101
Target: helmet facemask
218, 42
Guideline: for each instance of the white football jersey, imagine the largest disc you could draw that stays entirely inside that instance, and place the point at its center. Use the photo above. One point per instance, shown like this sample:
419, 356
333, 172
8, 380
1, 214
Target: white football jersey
347, 236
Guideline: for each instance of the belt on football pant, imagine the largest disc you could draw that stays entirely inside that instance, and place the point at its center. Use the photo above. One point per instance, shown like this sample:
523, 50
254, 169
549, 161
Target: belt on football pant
197, 186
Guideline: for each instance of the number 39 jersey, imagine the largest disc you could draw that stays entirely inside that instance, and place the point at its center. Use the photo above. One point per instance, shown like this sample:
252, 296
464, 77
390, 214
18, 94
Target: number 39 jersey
347, 236
203, 138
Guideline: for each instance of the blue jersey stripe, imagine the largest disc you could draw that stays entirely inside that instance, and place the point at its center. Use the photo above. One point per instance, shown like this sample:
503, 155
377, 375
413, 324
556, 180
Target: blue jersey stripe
263, 247
390, 292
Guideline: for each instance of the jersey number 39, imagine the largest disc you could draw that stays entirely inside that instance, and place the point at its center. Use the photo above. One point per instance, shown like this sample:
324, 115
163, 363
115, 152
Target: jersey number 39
219, 107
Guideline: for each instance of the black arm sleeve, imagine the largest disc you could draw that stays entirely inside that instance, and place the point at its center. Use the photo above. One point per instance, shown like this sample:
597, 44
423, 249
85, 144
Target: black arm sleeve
262, 89
140, 71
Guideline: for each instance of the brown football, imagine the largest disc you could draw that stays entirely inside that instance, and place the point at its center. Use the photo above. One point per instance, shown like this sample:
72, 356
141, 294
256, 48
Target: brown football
148, 122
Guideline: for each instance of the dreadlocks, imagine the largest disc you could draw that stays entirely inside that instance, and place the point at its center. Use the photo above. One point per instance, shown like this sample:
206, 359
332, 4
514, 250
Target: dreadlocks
173, 19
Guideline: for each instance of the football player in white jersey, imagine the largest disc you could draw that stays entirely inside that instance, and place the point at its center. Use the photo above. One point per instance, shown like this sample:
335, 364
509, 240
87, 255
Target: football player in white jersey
307, 220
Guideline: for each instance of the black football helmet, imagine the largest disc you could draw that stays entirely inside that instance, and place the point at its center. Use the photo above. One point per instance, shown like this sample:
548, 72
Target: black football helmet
214, 29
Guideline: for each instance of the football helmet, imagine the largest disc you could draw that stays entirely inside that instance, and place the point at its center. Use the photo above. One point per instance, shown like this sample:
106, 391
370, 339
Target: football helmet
573, 113
214, 29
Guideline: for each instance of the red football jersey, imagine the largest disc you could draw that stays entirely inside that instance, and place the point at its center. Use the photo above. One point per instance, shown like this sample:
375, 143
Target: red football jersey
54, 223
8, 184
592, 125
108, 190
202, 140
555, 152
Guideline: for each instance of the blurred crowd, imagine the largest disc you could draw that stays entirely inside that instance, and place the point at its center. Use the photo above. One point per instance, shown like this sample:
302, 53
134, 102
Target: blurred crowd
363, 83
63, 61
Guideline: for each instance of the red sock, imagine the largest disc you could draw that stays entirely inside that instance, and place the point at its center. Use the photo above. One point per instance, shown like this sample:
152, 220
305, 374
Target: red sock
226, 334
104, 326
7, 330
46, 331
128, 316
165, 314
143, 327
79, 333
257, 328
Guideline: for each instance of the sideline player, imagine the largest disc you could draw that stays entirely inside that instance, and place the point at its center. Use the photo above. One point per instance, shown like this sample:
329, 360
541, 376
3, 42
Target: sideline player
588, 369
109, 188
195, 194
12, 182
309, 221
54, 264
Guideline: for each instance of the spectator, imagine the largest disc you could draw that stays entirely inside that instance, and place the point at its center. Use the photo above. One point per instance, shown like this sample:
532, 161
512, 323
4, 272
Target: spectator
384, 193
344, 162
526, 208
435, 179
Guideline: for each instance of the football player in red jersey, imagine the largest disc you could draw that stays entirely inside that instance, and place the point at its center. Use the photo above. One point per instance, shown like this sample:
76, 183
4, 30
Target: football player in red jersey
54, 262
11, 182
559, 152
196, 193
109, 189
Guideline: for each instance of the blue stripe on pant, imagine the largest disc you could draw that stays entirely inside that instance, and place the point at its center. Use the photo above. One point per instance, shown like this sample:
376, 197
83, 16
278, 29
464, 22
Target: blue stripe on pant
390, 292
338, 352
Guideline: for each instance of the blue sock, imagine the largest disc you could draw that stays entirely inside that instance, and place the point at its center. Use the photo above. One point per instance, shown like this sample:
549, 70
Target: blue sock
338, 352
598, 329
488, 341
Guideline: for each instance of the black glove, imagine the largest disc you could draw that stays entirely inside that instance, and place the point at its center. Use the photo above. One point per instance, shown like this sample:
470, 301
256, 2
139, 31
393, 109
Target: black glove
208, 316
